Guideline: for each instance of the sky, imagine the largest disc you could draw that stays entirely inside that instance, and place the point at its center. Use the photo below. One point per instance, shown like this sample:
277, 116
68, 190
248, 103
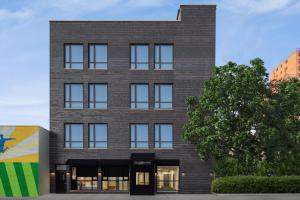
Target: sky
246, 29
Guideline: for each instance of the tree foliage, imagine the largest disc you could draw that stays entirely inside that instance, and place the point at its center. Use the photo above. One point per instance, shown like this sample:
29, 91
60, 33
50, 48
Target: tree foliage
240, 115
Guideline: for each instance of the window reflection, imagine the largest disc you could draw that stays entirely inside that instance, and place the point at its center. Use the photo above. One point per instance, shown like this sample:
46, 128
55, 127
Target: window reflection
163, 96
164, 57
139, 57
74, 56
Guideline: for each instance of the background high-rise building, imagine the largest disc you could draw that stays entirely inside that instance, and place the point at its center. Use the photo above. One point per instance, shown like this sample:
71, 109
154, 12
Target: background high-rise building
289, 68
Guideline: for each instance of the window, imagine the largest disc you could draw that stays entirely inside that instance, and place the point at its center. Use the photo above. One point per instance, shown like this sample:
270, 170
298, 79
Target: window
74, 136
139, 57
74, 56
98, 56
142, 178
164, 57
139, 135
139, 96
97, 135
74, 96
98, 96
163, 96
163, 135
167, 178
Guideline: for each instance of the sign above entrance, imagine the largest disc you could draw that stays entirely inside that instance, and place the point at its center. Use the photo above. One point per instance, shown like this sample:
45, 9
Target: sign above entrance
142, 163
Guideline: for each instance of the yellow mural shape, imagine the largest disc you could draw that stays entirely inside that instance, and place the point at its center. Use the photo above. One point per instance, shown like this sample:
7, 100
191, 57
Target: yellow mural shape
19, 144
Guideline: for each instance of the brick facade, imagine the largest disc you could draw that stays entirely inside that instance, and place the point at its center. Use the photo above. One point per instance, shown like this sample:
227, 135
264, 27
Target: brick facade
193, 37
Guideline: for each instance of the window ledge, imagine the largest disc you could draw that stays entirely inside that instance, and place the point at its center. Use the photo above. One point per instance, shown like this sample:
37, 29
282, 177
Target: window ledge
98, 109
163, 69
159, 109
139, 109
97, 148
73, 108
139, 69
73, 148
164, 148
98, 69
139, 148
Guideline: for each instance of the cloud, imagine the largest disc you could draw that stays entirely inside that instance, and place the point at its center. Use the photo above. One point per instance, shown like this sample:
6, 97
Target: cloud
12, 15
256, 6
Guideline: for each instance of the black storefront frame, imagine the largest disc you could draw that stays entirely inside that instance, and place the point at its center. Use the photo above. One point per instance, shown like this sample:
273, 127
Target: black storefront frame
139, 162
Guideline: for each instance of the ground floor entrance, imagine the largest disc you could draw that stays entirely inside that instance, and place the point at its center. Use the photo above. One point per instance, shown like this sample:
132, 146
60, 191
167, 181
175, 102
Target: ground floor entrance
140, 175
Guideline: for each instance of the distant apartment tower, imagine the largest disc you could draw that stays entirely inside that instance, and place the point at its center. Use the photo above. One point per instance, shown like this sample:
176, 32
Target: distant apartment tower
289, 68
117, 103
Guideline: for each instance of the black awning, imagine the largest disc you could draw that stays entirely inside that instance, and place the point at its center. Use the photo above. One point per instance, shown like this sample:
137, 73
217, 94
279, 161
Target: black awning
143, 156
114, 162
167, 162
82, 162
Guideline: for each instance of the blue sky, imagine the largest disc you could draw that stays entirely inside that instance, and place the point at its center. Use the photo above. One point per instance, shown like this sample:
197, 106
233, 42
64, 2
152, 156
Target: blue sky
246, 29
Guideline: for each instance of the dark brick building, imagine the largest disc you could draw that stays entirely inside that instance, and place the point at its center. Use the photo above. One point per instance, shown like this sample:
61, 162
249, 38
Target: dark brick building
117, 103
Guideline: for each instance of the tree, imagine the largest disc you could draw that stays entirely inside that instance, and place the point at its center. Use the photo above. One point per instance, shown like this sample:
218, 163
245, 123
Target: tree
236, 116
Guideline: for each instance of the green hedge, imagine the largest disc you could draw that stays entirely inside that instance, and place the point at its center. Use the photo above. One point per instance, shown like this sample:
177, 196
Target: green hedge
256, 184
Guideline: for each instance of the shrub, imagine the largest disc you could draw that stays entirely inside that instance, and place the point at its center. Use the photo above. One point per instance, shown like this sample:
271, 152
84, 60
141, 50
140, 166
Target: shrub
256, 184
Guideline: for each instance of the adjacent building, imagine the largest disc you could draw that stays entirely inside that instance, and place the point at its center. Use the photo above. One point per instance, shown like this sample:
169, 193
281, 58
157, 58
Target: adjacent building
117, 103
24, 161
289, 68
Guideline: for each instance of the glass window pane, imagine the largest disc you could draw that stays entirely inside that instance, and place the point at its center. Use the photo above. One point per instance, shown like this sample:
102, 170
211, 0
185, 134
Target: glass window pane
156, 132
141, 145
67, 53
101, 145
101, 105
67, 65
67, 92
156, 93
142, 53
76, 92
76, 105
67, 144
101, 132
91, 92
166, 145
132, 54
91, 53
132, 132
77, 145
101, 92
142, 132
166, 93
157, 55
166, 132
132, 145
156, 144
142, 93
101, 53
142, 105
166, 105
77, 53
77, 132
67, 131
91, 132
166, 53
132, 95
101, 65
166, 66
142, 66
77, 65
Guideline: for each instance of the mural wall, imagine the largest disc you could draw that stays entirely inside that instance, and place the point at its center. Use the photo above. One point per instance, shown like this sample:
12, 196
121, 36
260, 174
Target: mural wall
19, 161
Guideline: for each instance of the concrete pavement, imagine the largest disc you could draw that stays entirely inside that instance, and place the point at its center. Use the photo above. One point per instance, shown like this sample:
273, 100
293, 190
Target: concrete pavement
166, 197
